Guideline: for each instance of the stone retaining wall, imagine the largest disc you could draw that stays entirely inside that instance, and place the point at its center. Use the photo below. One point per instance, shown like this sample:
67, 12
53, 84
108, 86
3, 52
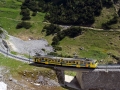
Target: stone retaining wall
99, 80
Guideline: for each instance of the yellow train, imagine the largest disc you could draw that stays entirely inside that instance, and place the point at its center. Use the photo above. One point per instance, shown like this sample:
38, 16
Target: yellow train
73, 62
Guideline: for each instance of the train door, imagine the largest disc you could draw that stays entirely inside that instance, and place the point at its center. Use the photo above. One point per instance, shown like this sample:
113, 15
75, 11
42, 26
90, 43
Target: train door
77, 63
42, 60
82, 64
46, 60
63, 63
58, 62
37, 60
88, 64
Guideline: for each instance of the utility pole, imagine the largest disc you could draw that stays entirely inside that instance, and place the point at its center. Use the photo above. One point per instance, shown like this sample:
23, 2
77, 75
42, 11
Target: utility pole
7, 52
29, 56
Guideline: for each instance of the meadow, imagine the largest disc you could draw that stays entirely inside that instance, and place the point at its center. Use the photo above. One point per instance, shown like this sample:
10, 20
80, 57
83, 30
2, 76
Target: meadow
91, 44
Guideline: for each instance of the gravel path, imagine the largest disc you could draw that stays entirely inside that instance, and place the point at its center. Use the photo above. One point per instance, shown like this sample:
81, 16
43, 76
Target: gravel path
32, 46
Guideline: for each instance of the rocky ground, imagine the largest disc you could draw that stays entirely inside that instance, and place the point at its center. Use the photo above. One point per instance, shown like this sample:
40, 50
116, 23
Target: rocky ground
28, 80
23, 82
31, 46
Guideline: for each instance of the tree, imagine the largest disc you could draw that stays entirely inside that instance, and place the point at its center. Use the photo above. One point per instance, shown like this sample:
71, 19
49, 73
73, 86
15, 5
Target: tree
26, 18
25, 12
73, 31
34, 13
23, 24
119, 12
51, 29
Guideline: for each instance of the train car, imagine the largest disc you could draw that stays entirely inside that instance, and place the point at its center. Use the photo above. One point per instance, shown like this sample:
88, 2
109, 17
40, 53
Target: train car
73, 62
48, 60
79, 62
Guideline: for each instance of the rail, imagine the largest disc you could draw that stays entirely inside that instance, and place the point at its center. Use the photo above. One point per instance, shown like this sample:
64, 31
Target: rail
30, 61
15, 57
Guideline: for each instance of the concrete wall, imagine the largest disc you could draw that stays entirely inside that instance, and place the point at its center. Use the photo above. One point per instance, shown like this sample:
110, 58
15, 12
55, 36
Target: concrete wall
61, 76
99, 80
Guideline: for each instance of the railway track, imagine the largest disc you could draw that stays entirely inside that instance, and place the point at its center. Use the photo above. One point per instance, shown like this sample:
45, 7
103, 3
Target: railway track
71, 68
108, 67
15, 57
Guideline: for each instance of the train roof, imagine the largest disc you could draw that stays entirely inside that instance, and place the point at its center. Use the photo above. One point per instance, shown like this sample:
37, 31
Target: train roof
70, 59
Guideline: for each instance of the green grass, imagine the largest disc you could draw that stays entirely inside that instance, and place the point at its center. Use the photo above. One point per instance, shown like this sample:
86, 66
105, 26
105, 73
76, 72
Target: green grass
17, 67
13, 52
10, 17
71, 73
106, 15
95, 44
10, 3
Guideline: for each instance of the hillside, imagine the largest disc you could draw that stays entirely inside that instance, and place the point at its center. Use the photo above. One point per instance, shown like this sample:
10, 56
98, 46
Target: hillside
91, 43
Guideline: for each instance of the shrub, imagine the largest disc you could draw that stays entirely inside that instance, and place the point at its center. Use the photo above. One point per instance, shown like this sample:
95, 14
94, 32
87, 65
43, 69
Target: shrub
26, 18
25, 25
58, 48
25, 12
34, 13
73, 31
51, 29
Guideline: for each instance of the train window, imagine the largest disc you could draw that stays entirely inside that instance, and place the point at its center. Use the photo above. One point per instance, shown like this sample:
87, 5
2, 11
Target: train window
88, 62
85, 62
73, 61
82, 62
46, 59
38, 60
63, 61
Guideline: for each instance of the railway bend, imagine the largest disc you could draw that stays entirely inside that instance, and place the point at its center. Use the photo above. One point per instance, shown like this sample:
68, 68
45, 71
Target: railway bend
87, 78
15, 56
58, 67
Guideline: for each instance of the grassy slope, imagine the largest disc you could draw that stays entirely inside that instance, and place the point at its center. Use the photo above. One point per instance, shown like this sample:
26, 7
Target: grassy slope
18, 69
18, 66
95, 43
106, 15
10, 17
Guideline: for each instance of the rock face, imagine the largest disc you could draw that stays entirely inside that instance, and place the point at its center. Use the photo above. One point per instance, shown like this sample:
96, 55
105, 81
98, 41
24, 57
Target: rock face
101, 80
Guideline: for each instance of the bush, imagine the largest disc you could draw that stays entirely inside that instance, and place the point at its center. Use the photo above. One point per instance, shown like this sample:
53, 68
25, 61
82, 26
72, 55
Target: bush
58, 48
25, 25
25, 12
53, 53
19, 25
73, 31
23, 7
34, 13
119, 12
51, 29
26, 18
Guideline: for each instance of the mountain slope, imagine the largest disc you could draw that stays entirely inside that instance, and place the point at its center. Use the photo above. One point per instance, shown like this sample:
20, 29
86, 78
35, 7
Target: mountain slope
91, 44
